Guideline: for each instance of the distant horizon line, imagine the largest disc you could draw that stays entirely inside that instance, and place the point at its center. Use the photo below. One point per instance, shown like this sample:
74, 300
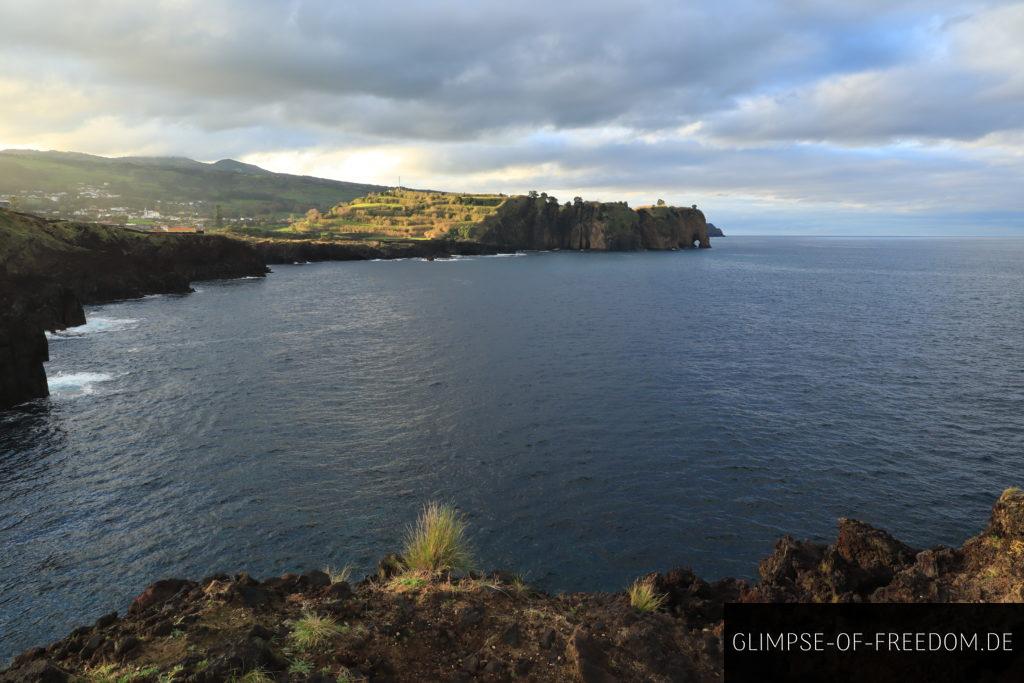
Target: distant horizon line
996, 232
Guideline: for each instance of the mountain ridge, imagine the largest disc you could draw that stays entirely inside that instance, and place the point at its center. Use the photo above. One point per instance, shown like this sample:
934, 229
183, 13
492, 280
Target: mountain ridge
113, 189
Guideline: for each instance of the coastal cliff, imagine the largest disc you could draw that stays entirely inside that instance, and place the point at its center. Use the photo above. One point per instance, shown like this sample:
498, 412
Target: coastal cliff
540, 222
50, 269
400, 626
301, 251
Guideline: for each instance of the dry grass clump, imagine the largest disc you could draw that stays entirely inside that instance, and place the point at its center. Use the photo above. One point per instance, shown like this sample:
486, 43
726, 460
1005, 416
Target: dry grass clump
339, 575
111, 673
313, 630
437, 543
643, 597
252, 676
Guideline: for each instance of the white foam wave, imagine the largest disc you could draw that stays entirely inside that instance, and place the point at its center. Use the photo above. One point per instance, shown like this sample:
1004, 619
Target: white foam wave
93, 326
76, 383
471, 257
453, 257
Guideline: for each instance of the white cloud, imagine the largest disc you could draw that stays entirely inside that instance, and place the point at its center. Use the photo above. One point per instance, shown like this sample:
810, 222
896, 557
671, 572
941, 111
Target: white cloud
969, 85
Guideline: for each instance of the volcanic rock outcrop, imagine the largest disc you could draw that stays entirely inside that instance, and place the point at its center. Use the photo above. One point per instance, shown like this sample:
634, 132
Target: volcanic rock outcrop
540, 222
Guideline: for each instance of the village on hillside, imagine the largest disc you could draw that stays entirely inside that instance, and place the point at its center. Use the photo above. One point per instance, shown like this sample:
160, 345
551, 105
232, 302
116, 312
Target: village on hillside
97, 204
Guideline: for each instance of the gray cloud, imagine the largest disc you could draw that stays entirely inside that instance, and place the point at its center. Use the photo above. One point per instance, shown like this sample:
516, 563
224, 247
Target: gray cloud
455, 69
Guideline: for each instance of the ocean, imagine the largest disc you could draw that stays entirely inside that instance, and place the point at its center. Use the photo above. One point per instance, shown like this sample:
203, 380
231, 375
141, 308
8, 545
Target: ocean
596, 416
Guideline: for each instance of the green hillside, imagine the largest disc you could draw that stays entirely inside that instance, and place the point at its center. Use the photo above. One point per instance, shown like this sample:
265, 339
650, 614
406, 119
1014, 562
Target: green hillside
400, 213
89, 187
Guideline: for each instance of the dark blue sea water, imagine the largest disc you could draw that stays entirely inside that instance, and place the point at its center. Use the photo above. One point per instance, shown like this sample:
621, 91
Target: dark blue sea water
596, 416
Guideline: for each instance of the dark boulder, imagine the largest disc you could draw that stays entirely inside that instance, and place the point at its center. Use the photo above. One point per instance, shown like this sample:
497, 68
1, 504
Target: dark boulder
390, 566
39, 671
158, 593
317, 579
338, 591
1007, 520
106, 620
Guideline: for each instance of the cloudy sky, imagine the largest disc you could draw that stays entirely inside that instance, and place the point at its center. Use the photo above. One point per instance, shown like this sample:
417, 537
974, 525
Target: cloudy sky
808, 116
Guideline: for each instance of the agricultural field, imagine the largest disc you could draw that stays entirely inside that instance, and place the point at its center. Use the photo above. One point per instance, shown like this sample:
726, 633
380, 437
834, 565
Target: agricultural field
398, 213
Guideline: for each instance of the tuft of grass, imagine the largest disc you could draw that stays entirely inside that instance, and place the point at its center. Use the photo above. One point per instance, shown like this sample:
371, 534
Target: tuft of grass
169, 676
339, 575
408, 581
642, 596
252, 676
437, 543
313, 630
110, 673
519, 585
106, 673
300, 667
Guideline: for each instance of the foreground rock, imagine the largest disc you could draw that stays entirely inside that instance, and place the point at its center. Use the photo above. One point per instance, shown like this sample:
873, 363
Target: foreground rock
869, 565
395, 627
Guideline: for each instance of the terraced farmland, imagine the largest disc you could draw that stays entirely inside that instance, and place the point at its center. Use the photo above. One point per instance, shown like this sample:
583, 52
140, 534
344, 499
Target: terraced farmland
401, 213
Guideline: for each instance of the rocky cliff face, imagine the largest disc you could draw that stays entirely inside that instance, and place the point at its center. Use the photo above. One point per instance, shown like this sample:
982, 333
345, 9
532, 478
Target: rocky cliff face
542, 223
50, 269
715, 231
28, 306
301, 251
399, 627
868, 565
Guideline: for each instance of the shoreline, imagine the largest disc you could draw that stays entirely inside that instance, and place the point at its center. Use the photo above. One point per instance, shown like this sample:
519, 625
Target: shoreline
52, 268
405, 626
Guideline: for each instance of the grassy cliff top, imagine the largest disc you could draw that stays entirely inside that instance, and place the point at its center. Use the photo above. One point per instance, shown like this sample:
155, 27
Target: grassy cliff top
400, 213
31, 246
25, 240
